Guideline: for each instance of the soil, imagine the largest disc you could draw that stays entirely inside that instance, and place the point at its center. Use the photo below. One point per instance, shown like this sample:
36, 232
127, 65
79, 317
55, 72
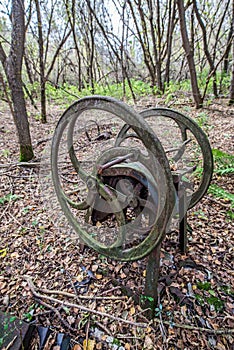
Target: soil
195, 307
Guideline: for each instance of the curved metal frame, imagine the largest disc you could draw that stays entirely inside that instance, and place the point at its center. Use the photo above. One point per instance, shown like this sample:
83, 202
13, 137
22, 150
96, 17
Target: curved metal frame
185, 123
151, 142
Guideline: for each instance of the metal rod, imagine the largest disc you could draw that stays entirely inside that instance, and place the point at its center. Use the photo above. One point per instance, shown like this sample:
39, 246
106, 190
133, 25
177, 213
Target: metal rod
113, 162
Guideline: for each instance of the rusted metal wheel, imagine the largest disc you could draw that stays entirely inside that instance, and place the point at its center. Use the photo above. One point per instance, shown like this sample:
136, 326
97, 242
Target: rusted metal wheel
189, 137
144, 180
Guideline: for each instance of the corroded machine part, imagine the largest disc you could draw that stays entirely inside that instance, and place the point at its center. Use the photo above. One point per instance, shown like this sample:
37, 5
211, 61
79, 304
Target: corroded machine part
120, 191
141, 191
187, 126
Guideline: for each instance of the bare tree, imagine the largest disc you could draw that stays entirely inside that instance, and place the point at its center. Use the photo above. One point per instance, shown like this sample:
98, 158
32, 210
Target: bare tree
12, 64
71, 13
169, 38
189, 54
210, 60
41, 60
114, 44
47, 56
153, 24
145, 33
231, 100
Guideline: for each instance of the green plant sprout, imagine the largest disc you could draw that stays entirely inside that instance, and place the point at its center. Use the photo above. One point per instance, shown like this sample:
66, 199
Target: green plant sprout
8, 198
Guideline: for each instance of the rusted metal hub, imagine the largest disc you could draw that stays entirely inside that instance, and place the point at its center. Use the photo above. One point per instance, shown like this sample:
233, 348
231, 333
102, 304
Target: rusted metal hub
132, 189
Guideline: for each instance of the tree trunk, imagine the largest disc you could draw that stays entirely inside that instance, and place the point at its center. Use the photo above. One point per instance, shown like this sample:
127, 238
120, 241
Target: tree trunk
72, 20
28, 68
139, 20
189, 54
20, 117
231, 100
206, 49
158, 58
42, 67
112, 47
171, 26
13, 69
91, 54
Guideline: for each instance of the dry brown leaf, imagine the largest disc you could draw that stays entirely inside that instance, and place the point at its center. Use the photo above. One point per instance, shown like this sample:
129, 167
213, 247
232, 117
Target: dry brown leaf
148, 343
77, 347
220, 346
94, 268
89, 344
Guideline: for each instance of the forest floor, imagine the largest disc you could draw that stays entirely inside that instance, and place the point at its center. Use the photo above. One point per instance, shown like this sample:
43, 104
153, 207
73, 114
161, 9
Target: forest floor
195, 310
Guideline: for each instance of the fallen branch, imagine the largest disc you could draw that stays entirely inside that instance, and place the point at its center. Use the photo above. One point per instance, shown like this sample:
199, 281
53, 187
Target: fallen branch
56, 311
26, 164
100, 325
10, 344
218, 202
38, 143
194, 328
110, 290
73, 286
80, 307
72, 295
136, 324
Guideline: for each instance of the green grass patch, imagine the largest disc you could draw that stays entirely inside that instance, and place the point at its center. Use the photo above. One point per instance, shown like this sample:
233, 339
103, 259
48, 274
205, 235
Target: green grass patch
204, 285
8, 198
208, 296
224, 162
66, 94
185, 85
219, 192
216, 303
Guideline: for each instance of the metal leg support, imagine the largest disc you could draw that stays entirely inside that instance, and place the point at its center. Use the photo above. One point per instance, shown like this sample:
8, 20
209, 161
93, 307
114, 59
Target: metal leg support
183, 239
151, 282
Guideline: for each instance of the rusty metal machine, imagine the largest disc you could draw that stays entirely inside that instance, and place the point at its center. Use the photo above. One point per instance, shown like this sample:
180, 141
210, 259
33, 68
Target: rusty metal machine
121, 177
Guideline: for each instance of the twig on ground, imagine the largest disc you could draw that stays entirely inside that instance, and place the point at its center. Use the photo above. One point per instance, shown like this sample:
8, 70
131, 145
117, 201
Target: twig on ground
73, 286
27, 164
18, 176
14, 219
10, 344
218, 202
194, 328
161, 324
9, 202
42, 141
5, 210
56, 311
228, 317
80, 307
72, 295
110, 290
87, 331
100, 325
136, 324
